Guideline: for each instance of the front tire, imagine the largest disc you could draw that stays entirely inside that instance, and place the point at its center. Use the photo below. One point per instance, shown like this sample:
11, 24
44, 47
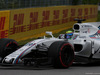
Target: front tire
7, 46
61, 54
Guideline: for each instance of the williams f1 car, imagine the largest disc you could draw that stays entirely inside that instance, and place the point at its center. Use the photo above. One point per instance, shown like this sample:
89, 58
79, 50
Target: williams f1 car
55, 51
82, 45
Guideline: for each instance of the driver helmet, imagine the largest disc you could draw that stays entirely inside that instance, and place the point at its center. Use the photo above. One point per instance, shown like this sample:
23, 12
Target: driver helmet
69, 34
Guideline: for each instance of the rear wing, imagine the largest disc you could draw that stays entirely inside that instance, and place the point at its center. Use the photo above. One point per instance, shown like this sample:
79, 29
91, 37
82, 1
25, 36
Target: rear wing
79, 20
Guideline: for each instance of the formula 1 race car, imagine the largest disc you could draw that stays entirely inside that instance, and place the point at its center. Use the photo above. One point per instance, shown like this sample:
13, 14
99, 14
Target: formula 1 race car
55, 51
83, 46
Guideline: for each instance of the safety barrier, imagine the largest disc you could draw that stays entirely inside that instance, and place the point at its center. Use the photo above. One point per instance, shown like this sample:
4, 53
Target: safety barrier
33, 22
4, 23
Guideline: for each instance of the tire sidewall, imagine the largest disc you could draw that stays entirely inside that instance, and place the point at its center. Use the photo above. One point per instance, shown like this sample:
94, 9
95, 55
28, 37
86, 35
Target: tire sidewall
4, 43
55, 54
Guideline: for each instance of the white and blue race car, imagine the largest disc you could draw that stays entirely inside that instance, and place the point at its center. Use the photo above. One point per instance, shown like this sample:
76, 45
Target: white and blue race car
55, 51
83, 46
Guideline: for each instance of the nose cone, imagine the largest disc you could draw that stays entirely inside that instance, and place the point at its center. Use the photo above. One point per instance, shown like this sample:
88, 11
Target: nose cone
8, 61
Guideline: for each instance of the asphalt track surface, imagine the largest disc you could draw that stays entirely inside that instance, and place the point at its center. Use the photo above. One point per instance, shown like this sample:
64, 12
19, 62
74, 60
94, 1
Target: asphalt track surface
75, 69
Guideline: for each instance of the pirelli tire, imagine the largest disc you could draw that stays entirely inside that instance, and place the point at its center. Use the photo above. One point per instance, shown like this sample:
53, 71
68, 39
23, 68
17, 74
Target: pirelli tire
7, 46
61, 54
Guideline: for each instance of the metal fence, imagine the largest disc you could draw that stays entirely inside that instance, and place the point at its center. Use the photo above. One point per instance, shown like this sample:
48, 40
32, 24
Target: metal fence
12, 4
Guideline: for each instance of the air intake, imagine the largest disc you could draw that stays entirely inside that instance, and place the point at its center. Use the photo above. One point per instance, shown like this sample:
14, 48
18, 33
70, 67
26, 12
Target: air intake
76, 27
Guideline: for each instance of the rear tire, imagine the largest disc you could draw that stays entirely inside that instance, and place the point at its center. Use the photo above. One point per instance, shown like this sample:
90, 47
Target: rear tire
7, 46
61, 54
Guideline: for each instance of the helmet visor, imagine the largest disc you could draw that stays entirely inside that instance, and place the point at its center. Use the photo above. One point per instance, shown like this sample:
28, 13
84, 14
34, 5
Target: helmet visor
69, 35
